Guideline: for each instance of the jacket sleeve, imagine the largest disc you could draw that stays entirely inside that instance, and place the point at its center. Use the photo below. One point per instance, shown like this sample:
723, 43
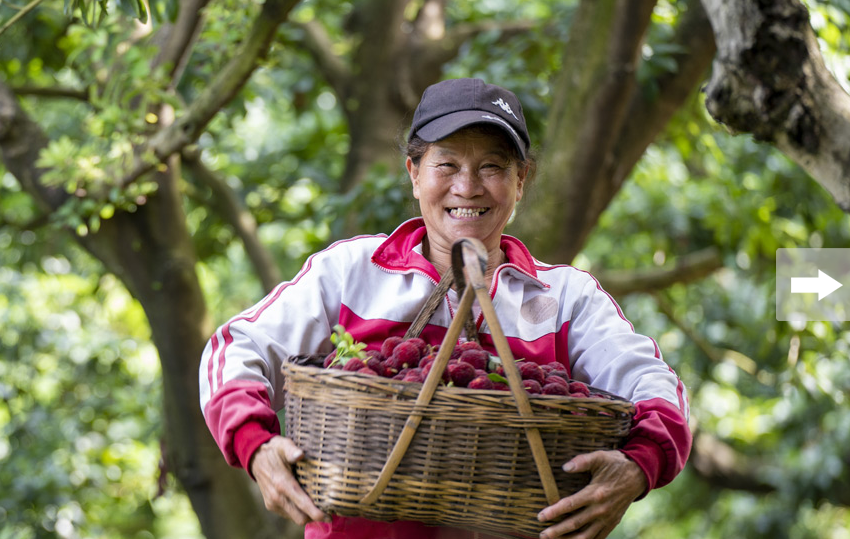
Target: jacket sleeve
241, 386
606, 351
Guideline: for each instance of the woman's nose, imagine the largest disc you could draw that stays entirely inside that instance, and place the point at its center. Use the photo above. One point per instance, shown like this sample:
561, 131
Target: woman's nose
467, 184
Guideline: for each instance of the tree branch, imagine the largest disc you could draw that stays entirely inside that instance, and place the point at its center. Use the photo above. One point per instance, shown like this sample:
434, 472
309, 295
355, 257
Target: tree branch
235, 213
320, 46
229, 80
687, 268
713, 353
769, 79
588, 166
17, 16
52, 91
650, 110
721, 466
181, 35
21, 141
588, 110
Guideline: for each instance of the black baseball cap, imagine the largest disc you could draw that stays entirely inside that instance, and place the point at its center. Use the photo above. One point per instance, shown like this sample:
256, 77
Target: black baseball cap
453, 104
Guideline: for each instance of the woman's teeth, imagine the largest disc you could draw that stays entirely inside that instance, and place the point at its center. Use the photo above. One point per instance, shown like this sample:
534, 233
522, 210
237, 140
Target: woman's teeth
467, 212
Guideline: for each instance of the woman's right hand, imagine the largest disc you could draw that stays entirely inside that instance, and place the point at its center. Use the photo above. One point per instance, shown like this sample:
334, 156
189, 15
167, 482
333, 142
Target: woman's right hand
271, 467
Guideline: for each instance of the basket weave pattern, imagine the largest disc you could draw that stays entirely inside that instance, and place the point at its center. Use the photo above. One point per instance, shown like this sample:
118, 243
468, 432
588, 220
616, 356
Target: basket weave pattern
469, 464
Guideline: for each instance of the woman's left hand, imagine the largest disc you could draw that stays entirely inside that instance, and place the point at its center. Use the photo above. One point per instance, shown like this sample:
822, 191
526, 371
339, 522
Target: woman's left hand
595, 510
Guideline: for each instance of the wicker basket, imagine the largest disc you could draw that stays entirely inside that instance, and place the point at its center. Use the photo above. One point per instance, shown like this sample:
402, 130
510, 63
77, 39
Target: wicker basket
469, 463
474, 460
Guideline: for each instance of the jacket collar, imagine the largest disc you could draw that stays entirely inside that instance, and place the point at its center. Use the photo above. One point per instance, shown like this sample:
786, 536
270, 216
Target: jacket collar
401, 252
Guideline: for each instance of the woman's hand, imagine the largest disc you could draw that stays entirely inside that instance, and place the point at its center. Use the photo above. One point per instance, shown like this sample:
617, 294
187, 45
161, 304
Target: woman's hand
595, 510
271, 466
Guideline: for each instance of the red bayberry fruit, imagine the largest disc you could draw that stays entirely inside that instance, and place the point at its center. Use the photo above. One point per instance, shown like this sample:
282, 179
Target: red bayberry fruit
406, 353
375, 363
476, 358
555, 366
501, 386
421, 344
461, 373
427, 369
427, 359
469, 345
354, 364
555, 389
558, 374
414, 375
555, 379
382, 370
480, 382
367, 370
374, 353
389, 345
329, 359
579, 387
532, 386
531, 371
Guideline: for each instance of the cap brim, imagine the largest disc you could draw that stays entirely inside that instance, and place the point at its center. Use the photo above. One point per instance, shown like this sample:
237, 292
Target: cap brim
444, 126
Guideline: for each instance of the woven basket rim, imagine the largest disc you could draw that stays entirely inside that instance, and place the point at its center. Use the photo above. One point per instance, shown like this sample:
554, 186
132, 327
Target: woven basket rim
411, 389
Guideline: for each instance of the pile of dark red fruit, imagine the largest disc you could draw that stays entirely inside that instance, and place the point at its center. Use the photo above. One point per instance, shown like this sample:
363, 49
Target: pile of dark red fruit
470, 366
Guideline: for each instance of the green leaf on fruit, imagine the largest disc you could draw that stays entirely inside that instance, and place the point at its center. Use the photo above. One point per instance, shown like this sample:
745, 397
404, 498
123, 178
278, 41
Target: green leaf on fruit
495, 378
346, 347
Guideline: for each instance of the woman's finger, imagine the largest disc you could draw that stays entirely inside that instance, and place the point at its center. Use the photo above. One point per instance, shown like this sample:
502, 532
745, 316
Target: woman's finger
564, 506
292, 452
282, 494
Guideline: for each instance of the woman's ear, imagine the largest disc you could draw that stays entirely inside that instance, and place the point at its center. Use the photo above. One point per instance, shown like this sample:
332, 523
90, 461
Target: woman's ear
522, 174
413, 172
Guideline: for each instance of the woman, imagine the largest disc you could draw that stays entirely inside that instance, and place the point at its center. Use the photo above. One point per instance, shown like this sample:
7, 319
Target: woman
468, 162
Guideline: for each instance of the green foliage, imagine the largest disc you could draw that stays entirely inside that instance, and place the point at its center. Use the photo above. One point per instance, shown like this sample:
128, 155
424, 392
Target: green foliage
80, 411
79, 415
780, 397
346, 347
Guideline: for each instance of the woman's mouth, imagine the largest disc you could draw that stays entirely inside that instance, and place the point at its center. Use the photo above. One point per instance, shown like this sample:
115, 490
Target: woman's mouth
467, 213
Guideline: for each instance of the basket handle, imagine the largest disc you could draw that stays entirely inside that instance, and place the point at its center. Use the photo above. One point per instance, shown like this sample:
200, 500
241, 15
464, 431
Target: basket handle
470, 250
424, 398
431, 304
471, 256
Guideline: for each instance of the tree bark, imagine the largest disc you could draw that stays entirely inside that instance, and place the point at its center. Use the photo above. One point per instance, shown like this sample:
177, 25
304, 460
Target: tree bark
769, 79
151, 252
380, 85
600, 122
220, 91
234, 212
685, 269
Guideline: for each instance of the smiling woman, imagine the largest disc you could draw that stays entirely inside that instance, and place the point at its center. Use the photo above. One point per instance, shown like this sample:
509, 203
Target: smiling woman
469, 164
467, 186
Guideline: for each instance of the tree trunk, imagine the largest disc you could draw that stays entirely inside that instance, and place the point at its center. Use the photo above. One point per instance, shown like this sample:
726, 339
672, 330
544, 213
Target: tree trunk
769, 79
151, 252
600, 124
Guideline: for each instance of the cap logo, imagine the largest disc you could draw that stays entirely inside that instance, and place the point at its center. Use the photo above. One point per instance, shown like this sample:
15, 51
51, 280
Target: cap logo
505, 107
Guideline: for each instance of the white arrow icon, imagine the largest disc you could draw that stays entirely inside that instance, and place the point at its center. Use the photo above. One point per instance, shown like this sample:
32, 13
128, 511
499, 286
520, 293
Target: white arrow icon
823, 284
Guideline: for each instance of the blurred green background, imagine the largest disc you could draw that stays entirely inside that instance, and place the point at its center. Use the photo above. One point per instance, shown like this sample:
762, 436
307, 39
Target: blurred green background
81, 382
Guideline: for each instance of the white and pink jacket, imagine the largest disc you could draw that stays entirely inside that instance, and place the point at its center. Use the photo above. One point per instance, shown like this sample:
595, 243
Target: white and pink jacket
375, 286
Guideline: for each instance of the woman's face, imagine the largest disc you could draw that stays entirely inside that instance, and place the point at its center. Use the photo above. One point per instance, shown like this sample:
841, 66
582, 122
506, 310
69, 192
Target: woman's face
467, 186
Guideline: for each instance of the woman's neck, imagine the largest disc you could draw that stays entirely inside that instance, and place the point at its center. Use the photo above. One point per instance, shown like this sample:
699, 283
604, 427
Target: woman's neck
442, 259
